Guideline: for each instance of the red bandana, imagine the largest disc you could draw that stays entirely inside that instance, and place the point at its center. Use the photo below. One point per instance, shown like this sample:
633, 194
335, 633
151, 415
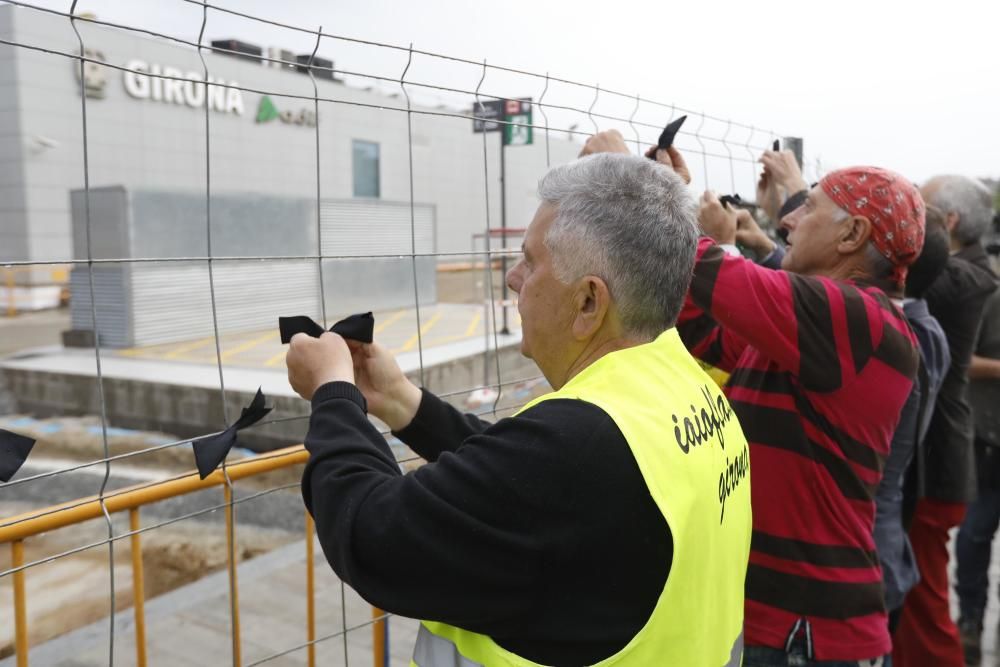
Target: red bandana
890, 202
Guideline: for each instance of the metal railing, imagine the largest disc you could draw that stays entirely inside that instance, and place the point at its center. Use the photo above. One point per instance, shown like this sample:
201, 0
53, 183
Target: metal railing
16, 529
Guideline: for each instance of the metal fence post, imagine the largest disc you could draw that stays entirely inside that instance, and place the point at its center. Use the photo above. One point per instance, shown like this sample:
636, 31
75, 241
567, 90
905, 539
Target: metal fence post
310, 591
138, 589
20, 605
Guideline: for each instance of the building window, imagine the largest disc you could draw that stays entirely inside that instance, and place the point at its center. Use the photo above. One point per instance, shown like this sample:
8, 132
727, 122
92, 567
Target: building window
366, 182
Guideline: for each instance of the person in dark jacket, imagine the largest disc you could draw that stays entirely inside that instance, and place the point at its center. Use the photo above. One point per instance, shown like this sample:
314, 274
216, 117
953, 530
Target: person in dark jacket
550, 535
975, 538
926, 634
899, 568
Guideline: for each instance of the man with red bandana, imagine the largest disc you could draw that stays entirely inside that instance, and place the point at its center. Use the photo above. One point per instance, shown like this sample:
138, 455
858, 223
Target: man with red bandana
822, 362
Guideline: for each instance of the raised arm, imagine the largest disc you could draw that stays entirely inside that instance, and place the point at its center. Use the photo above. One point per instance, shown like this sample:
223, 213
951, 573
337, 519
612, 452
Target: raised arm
438, 427
464, 540
706, 340
421, 420
822, 331
415, 544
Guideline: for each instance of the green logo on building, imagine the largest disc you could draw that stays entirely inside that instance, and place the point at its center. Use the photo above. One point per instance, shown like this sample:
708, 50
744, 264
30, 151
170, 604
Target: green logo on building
266, 110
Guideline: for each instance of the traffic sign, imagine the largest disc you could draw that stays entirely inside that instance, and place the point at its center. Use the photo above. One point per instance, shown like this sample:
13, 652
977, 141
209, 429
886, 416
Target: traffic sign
518, 130
487, 114
515, 116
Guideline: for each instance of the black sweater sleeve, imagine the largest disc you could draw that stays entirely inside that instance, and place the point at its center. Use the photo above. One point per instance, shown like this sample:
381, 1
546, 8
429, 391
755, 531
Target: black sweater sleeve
498, 536
538, 531
447, 542
438, 427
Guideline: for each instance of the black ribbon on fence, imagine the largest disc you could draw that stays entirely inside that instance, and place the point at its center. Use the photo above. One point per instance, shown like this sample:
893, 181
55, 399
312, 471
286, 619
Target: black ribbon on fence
359, 327
14, 450
666, 139
209, 452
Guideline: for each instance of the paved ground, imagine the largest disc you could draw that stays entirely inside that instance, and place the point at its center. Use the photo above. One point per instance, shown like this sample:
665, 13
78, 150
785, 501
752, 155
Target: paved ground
440, 324
991, 641
32, 330
191, 625
458, 316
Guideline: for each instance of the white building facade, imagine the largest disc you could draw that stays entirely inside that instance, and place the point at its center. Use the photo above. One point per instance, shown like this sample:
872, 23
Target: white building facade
146, 131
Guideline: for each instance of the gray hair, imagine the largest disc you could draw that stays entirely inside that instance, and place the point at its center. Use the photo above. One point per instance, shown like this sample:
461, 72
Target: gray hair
970, 199
631, 222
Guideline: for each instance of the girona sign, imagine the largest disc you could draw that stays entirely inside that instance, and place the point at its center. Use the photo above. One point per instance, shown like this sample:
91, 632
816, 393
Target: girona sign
169, 85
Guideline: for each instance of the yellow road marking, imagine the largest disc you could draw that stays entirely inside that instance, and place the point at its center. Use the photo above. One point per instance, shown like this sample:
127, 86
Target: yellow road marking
276, 359
428, 325
473, 324
183, 349
165, 351
389, 320
469, 332
441, 341
249, 345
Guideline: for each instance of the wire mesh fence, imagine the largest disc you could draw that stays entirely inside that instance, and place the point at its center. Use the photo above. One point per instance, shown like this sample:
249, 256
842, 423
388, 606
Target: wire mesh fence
188, 216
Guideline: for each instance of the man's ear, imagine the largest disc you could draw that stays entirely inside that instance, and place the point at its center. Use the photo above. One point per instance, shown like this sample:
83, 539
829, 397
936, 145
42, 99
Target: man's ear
951, 222
592, 299
855, 233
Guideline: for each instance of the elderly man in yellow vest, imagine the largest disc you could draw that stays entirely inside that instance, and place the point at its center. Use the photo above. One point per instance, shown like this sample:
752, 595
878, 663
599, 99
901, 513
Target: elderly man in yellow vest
607, 522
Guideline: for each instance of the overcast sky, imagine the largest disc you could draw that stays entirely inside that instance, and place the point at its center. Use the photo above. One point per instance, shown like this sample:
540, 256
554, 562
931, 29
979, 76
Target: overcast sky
913, 86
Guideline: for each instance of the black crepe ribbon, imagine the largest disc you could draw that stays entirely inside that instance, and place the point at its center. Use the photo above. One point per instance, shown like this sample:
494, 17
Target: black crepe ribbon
732, 200
14, 449
211, 451
666, 139
360, 327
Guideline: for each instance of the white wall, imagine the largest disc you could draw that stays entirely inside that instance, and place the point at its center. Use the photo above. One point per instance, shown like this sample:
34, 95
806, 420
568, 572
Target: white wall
147, 144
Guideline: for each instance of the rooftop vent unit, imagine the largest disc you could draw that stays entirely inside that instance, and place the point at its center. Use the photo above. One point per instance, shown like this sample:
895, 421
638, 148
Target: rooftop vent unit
234, 47
322, 67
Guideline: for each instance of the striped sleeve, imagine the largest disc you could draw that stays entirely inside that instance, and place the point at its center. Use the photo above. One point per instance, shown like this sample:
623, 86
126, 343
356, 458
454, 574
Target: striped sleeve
821, 331
706, 340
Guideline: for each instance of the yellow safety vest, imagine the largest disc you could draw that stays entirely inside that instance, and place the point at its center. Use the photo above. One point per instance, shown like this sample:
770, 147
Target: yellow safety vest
695, 461
720, 376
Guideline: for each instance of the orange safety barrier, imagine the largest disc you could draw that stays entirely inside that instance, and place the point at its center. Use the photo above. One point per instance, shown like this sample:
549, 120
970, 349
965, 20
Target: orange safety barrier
16, 529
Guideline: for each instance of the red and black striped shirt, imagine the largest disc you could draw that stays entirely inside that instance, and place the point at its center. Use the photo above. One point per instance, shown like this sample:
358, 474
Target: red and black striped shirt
820, 370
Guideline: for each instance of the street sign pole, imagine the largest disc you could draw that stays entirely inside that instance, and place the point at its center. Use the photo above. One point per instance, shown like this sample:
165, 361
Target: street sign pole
512, 120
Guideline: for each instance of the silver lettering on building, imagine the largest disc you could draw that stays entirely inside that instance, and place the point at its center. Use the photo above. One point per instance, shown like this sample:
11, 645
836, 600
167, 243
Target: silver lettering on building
169, 85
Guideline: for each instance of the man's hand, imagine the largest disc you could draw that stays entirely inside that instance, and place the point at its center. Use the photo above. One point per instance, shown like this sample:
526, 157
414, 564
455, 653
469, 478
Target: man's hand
313, 362
984, 368
671, 157
391, 396
716, 220
782, 168
769, 196
609, 141
750, 235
